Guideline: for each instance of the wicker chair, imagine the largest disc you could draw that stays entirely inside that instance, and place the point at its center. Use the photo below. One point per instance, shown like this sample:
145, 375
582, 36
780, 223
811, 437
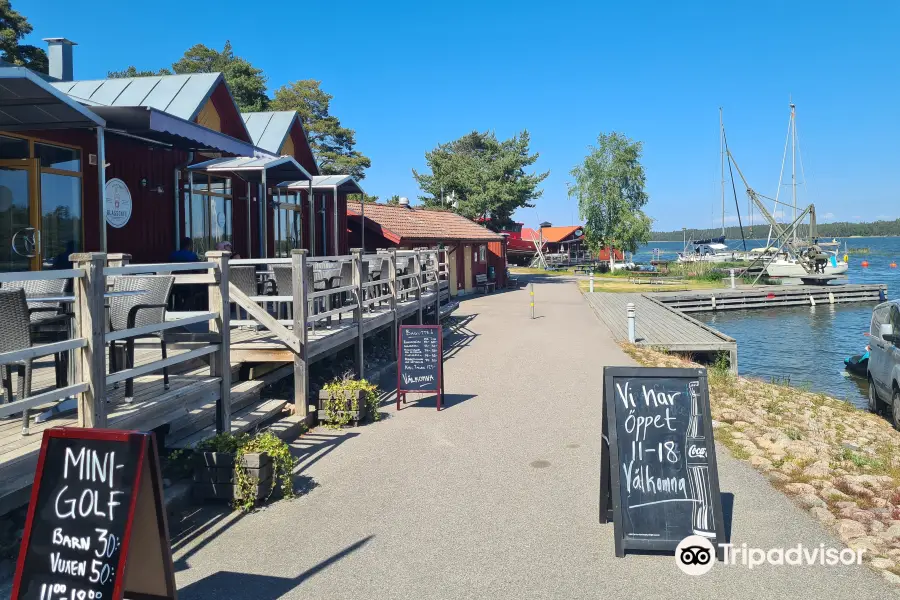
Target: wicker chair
244, 279
15, 317
49, 320
127, 312
284, 284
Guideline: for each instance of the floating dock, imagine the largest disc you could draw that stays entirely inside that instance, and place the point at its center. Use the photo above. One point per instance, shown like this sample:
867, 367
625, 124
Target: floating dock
770, 296
659, 326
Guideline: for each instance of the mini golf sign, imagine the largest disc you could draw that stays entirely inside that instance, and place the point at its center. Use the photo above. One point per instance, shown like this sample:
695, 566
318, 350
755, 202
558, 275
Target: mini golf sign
118, 203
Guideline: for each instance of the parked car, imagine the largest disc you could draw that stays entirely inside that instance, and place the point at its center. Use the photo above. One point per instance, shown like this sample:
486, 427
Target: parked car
884, 359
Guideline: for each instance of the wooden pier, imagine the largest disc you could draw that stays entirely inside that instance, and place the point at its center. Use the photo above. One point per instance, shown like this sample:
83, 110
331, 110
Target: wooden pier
659, 326
770, 296
205, 394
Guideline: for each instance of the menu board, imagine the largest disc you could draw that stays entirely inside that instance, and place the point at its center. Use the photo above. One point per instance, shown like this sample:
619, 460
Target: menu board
96, 495
420, 364
658, 468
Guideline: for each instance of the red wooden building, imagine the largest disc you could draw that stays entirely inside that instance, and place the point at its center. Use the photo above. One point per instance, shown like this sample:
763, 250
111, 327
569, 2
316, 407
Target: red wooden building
472, 249
171, 156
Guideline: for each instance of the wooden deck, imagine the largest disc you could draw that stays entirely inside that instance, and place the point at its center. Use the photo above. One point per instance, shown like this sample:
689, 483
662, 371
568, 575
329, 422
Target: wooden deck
657, 325
770, 295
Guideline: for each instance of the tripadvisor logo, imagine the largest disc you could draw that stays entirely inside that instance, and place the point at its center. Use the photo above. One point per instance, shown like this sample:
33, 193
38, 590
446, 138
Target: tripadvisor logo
695, 555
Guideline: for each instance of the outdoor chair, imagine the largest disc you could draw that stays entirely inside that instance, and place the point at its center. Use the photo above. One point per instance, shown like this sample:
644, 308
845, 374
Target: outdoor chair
384, 275
49, 320
244, 279
14, 315
128, 312
346, 279
284, 286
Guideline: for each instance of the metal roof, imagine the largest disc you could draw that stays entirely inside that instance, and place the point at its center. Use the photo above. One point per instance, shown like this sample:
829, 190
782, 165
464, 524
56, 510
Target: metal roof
277, 169
160, 126
268, 130
179, 95
29, 102
345, 183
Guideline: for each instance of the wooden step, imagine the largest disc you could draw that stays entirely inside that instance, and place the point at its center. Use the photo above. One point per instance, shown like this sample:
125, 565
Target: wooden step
246, 419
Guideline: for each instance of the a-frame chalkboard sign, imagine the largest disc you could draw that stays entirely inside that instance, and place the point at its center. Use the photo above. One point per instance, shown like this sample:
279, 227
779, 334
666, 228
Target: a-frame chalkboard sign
659, 481
420, 365
96, 525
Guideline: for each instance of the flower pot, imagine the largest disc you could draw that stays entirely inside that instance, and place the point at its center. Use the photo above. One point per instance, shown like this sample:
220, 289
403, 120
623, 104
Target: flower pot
345, 405
215, 477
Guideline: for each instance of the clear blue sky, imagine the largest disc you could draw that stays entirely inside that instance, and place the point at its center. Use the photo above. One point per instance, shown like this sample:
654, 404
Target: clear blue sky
407, 76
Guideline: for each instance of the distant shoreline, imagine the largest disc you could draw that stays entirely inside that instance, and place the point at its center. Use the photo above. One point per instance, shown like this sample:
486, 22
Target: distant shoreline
821, 237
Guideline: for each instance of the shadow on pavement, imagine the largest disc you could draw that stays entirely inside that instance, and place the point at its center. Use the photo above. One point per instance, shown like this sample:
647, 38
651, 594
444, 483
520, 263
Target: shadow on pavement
421, 401
245, 586
314, 445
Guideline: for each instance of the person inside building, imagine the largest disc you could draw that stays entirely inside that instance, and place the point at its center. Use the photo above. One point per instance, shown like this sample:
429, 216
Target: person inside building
227, 247
186, 254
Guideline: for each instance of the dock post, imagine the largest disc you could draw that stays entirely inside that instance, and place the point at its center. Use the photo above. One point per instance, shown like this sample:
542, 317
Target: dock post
90, 324
220, 362
629, 311
732, 278
392, 284
418, 272
592, 282
358, 311
299, 276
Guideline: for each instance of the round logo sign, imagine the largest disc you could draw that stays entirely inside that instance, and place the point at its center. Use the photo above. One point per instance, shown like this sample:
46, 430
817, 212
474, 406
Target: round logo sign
118, 203
695, 555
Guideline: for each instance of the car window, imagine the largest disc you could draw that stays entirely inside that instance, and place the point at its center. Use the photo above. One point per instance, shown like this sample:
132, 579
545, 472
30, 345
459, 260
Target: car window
895, 319
879, 316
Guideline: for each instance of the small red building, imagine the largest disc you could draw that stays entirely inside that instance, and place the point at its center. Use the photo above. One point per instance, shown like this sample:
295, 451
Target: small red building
472, 249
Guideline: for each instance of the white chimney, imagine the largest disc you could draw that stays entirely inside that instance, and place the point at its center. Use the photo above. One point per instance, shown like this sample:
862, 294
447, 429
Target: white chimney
404, 202
59, 53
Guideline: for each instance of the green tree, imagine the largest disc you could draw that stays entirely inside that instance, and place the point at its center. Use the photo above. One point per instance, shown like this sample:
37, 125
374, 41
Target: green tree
246, 82
332, 143
365, 198
133, 71
13, 27
393, 200
609, 185
485, 176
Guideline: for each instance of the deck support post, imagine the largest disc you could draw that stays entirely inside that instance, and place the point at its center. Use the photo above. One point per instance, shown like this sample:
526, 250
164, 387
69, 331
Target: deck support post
220, 361
301, 366
437, 288
90, 324
358, 311
418, 279
392, 284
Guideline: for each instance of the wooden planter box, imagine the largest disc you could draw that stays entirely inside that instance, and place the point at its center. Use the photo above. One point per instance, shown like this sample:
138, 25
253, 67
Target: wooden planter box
215, 478
349, 395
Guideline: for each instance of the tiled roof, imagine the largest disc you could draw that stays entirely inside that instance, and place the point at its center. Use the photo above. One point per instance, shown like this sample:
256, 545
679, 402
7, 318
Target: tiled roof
558, 234
401, 224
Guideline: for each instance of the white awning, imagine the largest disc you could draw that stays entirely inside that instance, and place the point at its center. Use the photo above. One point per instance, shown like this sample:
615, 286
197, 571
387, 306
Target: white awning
282, 168
29, 102
344, 183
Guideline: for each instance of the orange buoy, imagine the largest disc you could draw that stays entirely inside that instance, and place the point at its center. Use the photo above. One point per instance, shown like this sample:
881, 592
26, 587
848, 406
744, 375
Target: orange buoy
893, 265
865, 263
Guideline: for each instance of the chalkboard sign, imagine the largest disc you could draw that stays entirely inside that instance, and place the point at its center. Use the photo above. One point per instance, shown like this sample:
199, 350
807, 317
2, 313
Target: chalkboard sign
420, 367
658, 468
96, 509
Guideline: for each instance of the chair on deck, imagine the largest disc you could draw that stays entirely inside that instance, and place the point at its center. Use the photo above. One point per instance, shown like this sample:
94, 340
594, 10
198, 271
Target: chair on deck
128, 312
14, 314
384, 276
284, 284
244, 279
49, 320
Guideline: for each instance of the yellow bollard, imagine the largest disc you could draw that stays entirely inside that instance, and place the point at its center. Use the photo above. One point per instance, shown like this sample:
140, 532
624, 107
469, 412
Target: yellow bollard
531, 292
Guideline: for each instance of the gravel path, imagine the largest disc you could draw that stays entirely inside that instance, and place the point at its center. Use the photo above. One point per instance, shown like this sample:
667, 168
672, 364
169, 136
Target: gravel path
494, 497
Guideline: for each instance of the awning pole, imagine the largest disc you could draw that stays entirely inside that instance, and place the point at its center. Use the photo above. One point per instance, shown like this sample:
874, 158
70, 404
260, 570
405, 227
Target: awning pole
362, 220
312, 221
101, 179
264, 232
336, 232
249, 228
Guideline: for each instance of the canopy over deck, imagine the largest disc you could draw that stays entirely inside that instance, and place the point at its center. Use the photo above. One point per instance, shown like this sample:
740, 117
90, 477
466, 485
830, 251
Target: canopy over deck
272, 169
343, 183
29, 102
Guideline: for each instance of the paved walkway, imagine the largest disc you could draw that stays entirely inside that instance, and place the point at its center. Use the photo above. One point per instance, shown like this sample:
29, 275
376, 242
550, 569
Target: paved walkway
495, 497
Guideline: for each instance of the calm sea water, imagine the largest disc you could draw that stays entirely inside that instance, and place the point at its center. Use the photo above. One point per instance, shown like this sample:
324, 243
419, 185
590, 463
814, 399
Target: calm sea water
806, 344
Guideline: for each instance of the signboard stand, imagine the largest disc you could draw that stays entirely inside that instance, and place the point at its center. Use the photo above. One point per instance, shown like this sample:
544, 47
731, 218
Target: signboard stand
96, 524
658, 475
420, 363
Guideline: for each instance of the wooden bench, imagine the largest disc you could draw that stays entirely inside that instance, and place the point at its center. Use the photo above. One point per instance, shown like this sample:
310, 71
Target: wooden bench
481, 281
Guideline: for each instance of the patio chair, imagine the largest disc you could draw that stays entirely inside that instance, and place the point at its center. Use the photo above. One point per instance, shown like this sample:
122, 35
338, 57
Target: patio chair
49, 320
244, 279
128, 312
14, 315
284, 286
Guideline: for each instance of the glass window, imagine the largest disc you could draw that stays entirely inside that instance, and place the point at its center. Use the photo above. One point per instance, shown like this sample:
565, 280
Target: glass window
57, 157
879, 316
13, 148
60, 218
482, 253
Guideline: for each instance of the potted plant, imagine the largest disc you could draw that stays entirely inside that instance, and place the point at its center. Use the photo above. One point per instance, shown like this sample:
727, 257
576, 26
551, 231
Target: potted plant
243, 469
344, 400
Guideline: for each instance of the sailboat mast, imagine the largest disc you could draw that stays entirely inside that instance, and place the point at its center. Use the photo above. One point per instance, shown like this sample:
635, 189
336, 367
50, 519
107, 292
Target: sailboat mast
722, 160
793, 164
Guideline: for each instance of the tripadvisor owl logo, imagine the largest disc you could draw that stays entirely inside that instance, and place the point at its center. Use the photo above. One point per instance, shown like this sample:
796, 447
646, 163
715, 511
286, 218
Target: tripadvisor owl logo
695, 555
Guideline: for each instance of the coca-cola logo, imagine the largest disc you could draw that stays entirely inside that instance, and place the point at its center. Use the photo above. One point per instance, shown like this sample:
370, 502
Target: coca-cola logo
696, 452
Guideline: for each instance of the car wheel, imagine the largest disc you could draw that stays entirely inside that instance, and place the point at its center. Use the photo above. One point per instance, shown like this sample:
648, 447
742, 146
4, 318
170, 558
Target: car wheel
895, 408
873, 398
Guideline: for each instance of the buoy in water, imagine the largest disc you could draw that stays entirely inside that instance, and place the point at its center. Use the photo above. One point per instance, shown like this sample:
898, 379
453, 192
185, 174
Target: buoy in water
846, 258
865, 263
893, 265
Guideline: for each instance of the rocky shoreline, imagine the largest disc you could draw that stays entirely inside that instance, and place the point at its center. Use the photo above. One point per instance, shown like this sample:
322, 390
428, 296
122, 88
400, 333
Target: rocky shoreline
839, 463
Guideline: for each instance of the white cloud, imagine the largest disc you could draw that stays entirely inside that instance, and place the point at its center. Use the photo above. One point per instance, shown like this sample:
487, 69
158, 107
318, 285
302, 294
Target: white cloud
828, 215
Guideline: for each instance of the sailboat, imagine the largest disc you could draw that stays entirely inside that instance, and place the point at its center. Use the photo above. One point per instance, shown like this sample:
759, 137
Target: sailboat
806, 256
